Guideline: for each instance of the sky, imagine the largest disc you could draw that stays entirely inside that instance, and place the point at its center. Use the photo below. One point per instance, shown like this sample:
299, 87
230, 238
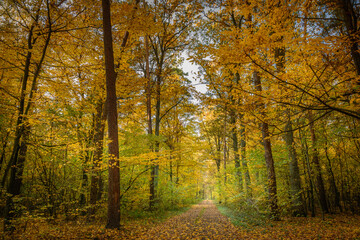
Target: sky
192, 70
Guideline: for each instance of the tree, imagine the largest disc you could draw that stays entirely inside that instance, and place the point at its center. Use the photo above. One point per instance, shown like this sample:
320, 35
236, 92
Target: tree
113, 217
39, 28
274, 208
350, 14
316, 163
174, 19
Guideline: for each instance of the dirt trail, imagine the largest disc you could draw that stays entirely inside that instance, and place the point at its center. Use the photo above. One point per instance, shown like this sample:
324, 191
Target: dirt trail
202, 221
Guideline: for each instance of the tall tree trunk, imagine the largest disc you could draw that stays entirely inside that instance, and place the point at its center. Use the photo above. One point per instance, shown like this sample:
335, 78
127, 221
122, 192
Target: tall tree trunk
113, 216
295, 182
85, 157
333, 186
275, 214
20, 119
244, 160
225, 148
218, 164
235, 146
15, 183
234, 133
217, 153
155, 167
148, 87
317, 170
307, 170
18, 156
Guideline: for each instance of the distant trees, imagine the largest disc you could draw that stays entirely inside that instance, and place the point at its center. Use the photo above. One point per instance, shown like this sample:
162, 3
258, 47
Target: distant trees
308, 69
29, 28
174, 21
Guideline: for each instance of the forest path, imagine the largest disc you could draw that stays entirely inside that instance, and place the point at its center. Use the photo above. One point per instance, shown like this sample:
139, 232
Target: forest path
202, 221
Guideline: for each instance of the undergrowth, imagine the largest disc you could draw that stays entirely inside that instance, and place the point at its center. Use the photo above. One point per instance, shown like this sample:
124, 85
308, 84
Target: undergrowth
152, 216
244, 214
133, 222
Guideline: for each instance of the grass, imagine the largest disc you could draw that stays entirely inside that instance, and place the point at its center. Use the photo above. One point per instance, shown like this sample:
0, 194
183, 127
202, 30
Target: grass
156, 216
255, 224
244, 216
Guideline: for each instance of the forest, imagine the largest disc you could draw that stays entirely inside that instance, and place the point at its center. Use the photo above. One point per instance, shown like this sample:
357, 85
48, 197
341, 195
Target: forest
120, 118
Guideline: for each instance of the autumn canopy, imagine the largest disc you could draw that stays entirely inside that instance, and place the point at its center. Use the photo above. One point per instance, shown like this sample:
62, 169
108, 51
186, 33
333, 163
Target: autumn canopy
102, 119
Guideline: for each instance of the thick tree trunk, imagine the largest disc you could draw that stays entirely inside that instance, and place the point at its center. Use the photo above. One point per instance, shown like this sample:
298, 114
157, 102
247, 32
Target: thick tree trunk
317, 170
275, 214
113, 216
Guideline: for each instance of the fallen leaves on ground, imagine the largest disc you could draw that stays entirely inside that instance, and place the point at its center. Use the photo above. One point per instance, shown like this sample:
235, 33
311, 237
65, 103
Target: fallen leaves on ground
202, 221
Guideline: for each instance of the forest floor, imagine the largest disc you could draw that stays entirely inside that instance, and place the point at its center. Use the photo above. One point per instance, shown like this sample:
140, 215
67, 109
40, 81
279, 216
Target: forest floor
201, 221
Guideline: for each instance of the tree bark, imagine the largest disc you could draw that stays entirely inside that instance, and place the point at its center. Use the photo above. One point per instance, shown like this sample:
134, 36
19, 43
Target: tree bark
333, 187
244, 160
18, 156
295, 182
225, 147
113, 215
217, 153
148, 86
310, 193
4, 146
235, 146
234, 135
351, 24
155, 167
20, 119
15, 183
317, 170
274, 209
